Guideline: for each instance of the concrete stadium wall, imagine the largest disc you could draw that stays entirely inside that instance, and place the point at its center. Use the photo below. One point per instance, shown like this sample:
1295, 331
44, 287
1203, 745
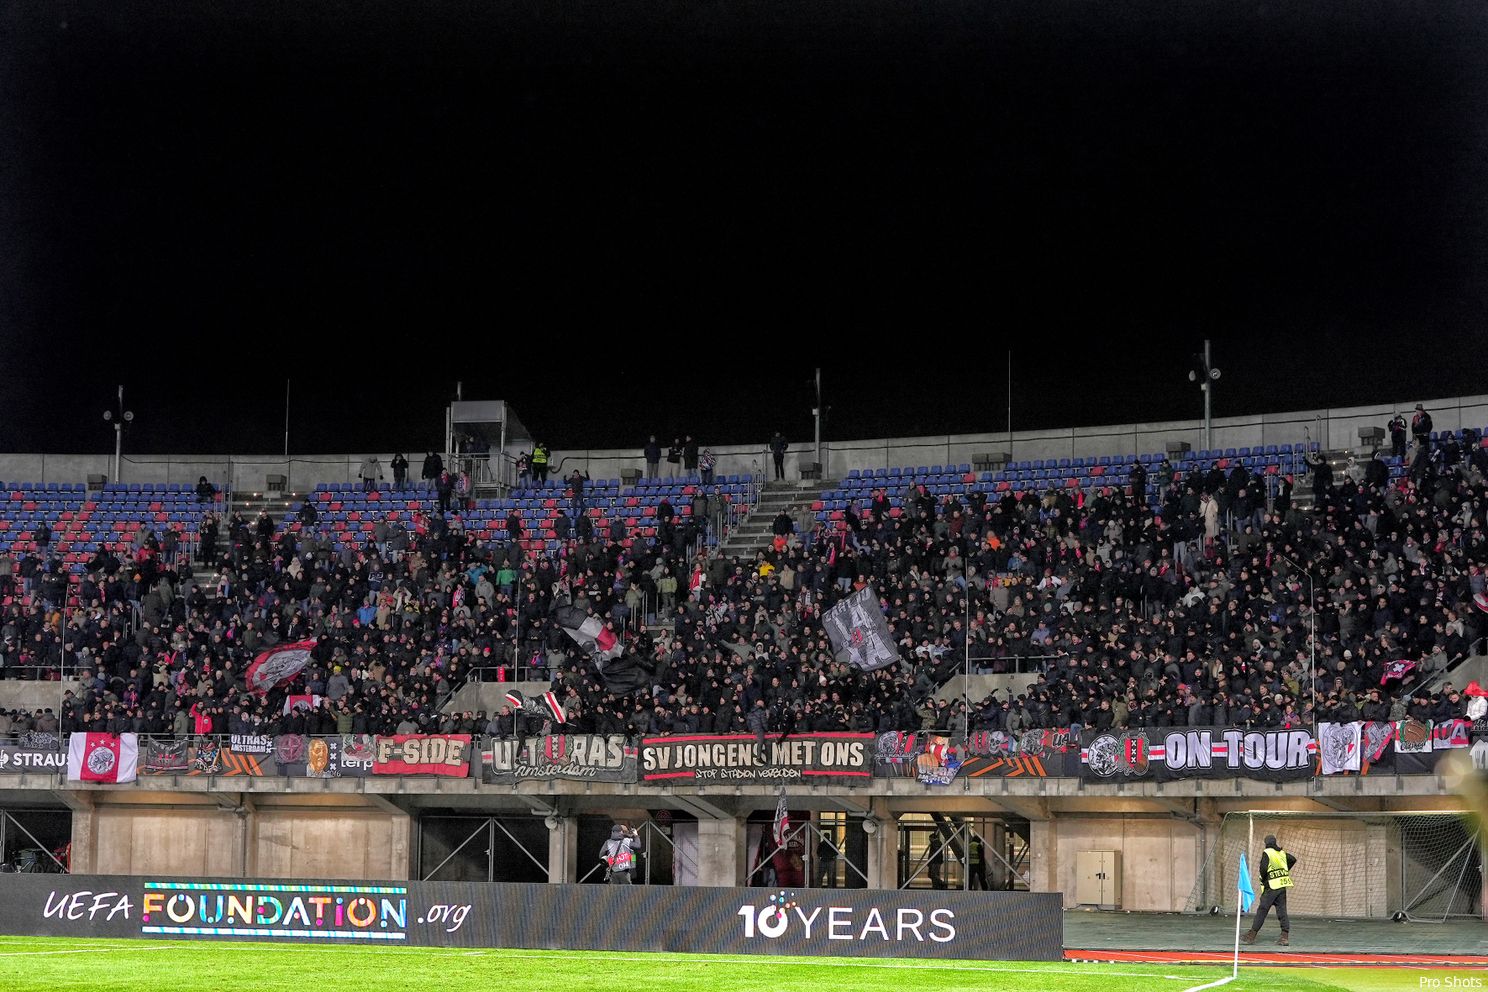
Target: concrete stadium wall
1335, 428
1160, 857
32, 696
240, 840
292, 843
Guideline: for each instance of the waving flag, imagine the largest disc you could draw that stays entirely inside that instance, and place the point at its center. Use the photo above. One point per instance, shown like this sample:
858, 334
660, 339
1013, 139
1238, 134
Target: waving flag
1396, 670
589, 633
278, 665
782, 822
1247, 891
860, 632
548, 705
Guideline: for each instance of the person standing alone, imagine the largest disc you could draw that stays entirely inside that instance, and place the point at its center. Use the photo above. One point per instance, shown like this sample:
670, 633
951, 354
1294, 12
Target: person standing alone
1275, 869
778, 446
619, 854
653, 458
540, 457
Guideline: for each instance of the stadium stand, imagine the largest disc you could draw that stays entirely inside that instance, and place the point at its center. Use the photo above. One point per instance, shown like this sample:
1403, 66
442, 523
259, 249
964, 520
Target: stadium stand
1188, 607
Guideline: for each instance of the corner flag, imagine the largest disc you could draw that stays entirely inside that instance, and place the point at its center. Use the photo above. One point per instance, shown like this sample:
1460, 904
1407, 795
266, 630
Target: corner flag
1247, 891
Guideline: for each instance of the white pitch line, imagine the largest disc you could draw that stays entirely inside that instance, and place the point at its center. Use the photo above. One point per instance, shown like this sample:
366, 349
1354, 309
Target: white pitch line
1212, 985
79, 950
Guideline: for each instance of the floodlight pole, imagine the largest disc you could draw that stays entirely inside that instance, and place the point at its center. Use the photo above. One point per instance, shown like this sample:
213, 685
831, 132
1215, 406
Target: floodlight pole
817, 411
1312, 638
966, 665
1208, 394
118, 418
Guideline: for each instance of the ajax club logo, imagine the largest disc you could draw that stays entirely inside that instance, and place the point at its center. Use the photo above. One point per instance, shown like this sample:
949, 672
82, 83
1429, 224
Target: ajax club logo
782, 913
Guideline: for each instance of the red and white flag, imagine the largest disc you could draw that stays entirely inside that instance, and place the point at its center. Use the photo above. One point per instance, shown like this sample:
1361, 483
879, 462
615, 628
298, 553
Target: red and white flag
102, 758
278, 665
300, 701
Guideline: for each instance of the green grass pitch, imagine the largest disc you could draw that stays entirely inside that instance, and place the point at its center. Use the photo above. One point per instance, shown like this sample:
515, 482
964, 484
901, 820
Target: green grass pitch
34, 963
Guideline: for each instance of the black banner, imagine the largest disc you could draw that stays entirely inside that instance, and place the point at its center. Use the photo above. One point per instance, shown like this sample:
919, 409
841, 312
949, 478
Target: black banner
165, 757
1161, 755
574, 757
741, 758
935, 759
1009, 926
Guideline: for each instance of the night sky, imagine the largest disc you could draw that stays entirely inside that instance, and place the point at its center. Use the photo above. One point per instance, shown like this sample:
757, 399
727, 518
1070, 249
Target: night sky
636, 215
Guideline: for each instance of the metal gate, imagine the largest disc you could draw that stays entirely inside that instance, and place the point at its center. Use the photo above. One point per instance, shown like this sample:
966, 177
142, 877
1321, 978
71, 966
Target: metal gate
942, 852
482, 848
813, 839
23, 852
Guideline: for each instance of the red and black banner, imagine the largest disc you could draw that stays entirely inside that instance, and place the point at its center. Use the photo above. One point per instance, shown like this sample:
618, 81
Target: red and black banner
423, 754
740, 758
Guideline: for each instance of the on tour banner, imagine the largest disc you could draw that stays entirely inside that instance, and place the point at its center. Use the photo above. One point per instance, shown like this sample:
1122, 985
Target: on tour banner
572, 757
423, 754
743, 758
1008, 926
1159, 755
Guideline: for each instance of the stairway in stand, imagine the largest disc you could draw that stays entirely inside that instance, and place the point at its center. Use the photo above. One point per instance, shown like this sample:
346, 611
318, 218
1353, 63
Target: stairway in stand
248, 506
1302, 479
754, 533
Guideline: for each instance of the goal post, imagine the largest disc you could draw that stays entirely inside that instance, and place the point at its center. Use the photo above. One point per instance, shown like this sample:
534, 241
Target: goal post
1422, 867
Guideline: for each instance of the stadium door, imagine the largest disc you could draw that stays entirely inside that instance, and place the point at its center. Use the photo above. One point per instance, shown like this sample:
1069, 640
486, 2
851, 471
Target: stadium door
35, 841
951, 851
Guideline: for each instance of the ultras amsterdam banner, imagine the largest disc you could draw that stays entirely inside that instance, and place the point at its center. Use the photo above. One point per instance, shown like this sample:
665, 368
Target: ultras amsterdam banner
1158, 755
741, 758
575, 757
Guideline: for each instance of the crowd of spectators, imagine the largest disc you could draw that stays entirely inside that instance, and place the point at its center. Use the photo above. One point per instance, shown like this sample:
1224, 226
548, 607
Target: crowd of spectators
1193, 607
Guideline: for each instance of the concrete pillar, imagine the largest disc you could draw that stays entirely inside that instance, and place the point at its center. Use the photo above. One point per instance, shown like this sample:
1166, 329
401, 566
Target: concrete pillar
242, 836
721, 857
563, 842
1043, 859
883, 849
84, 836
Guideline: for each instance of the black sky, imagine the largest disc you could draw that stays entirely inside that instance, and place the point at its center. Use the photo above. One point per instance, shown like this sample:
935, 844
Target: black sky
628, 215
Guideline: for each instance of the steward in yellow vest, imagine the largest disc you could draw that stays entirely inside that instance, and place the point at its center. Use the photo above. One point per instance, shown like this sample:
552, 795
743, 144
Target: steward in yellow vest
1275, 868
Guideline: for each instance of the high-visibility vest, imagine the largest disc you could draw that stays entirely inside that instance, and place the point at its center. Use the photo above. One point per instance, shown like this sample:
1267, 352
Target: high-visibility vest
1278, 875
539, 455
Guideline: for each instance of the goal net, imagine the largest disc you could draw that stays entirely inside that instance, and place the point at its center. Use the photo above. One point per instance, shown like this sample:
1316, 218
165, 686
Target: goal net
1421, 867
